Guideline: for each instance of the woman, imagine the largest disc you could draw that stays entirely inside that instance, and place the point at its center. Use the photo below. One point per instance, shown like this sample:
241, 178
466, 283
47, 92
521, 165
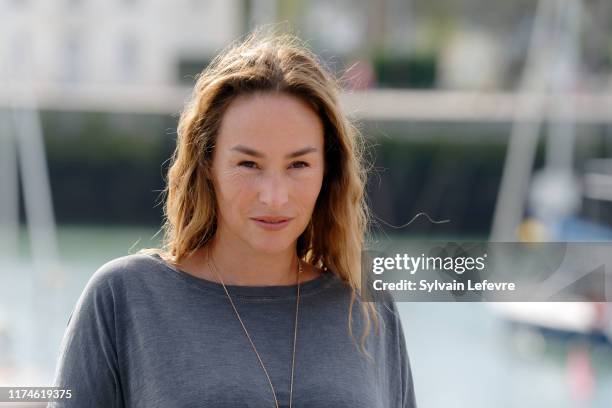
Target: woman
254, 298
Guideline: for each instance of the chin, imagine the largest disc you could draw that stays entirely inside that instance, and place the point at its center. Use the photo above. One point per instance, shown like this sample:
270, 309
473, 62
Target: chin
272, 245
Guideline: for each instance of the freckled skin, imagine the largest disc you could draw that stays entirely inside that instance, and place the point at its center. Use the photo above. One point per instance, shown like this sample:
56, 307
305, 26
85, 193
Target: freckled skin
269, 184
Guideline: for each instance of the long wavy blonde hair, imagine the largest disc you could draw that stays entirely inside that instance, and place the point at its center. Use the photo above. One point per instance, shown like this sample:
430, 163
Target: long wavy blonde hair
334, 237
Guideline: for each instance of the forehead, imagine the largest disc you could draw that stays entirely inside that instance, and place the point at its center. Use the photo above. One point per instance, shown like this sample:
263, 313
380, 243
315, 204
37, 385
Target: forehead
271, 121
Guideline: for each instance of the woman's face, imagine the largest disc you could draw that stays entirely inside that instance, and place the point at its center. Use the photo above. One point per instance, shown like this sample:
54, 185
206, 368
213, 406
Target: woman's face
267, 167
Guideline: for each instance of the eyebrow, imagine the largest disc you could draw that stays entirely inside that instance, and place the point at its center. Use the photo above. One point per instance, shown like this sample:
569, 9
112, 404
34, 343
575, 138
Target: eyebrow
255, 153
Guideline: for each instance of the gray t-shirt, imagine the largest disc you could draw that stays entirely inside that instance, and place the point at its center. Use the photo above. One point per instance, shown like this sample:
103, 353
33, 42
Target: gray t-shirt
145, 334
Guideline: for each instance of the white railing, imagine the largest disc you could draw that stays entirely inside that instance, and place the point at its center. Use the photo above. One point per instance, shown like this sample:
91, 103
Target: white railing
377, 104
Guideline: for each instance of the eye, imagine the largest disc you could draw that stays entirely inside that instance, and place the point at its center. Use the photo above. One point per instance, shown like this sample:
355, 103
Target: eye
248, 164
299, 164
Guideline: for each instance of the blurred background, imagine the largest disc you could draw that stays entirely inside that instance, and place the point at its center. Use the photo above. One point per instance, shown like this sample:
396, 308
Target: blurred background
493, 118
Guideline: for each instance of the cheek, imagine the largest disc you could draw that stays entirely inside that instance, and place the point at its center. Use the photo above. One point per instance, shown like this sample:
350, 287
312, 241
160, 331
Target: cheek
307, 189
235, 190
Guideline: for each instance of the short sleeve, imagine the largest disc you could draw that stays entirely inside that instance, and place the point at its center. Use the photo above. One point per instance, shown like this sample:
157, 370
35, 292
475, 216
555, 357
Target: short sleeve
87, 362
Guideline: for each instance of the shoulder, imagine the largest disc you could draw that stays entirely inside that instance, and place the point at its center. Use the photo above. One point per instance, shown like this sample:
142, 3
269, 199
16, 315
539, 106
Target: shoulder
387, 311
122, 271
123, 266
127, 264
387, 303
114, 283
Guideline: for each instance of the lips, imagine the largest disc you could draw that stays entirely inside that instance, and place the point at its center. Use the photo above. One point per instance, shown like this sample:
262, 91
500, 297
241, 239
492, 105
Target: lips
272, 220
272, 223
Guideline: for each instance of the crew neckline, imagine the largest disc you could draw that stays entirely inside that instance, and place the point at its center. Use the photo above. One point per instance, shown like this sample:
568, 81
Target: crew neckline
249, 292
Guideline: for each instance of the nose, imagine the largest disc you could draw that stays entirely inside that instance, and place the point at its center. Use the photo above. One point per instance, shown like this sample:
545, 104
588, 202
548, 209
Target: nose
273, 191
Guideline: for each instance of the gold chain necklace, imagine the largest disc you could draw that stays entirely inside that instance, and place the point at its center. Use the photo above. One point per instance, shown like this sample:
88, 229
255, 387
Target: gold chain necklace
297, 305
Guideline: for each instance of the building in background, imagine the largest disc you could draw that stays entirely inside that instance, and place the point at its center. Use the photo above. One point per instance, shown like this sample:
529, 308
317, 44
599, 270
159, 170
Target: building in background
112, 42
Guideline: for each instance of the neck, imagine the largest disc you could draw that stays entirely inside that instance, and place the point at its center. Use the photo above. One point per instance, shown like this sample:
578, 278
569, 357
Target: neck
240, 265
